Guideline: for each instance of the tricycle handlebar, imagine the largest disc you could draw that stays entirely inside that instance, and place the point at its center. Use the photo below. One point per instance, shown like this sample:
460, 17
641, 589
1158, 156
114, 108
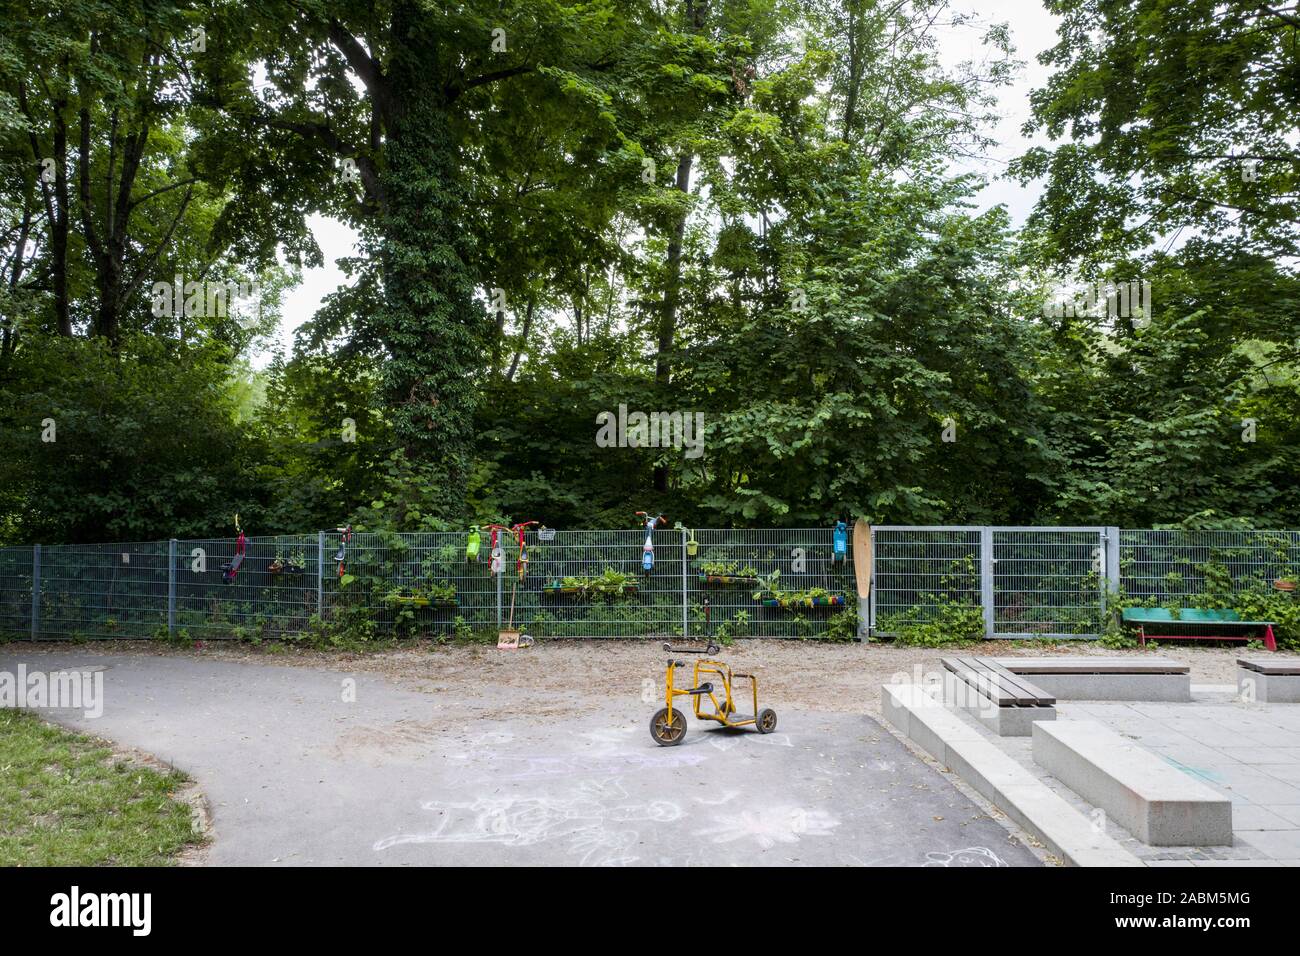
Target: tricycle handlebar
711, 649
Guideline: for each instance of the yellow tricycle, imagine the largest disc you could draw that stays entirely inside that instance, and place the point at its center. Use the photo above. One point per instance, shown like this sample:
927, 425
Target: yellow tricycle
713, 699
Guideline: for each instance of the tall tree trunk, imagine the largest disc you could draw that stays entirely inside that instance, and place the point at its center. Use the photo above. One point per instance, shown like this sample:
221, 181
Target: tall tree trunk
56, 200
434, 331
672, 298
523, 337
672, 288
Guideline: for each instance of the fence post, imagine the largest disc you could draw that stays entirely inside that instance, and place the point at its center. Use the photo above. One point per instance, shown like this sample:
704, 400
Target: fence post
320, 575
1112, 570
686, 625
36, 591
171, 588
986, 578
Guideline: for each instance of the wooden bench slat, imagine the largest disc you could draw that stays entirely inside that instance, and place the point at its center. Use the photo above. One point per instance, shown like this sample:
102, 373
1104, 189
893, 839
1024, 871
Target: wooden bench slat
1282, 668
968, 670
1034, 693
997, 683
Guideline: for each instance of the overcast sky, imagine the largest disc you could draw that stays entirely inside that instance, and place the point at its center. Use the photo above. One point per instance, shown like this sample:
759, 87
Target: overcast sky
1033, 30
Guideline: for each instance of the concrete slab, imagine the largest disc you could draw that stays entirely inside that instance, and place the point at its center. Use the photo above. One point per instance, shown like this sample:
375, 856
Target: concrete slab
1160, 805
1162, 687
1099, 678
1268, 688
1253, 817
1276, 843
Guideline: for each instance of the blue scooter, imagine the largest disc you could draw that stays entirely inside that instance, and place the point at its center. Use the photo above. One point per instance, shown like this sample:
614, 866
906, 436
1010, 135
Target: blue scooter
648, 552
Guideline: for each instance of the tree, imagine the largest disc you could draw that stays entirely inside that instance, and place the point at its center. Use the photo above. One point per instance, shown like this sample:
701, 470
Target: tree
431, 89
1180, 114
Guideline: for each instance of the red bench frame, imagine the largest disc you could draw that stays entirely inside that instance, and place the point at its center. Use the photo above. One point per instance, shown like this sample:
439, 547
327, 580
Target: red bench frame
1269, 641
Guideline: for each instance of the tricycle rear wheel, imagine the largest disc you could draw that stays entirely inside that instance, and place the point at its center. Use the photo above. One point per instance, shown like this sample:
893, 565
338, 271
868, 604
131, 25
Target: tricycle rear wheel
668, 729
766, 722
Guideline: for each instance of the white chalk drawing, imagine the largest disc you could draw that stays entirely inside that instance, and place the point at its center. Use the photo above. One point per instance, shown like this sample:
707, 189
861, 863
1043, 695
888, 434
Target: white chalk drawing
727, 797
534, 766
724, 740
613, 753
593, 821
769, 826
828, 772
970, 856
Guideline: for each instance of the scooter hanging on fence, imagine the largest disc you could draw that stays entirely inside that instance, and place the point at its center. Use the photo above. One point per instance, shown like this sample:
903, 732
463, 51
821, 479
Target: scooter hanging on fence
341, 555
230, 569
648, 552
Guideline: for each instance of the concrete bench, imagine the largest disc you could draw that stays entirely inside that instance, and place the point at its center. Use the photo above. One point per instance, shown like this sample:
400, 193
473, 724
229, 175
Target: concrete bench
1004, 702
1157, 803
1014, 788
1105, 678
1275, 680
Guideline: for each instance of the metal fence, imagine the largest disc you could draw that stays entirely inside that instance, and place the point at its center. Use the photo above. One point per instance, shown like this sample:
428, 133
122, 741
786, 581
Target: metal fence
1025, 582
1056, 581
576, 584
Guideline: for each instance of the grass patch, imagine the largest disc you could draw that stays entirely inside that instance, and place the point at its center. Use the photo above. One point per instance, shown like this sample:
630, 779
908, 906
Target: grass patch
67, 800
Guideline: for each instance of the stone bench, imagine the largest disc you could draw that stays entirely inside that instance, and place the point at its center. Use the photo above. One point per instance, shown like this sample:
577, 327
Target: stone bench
1105, 678
1272, 680
1002, 701
1013, 788
1157, 803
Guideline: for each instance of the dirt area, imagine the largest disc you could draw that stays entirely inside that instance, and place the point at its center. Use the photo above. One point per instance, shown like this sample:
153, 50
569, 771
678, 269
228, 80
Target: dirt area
829, 677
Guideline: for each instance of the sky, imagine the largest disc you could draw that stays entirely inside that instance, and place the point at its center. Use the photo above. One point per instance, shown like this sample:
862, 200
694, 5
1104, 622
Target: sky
1033, 30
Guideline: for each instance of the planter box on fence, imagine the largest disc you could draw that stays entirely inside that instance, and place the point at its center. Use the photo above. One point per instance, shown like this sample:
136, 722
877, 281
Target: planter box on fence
832, 601
727, 580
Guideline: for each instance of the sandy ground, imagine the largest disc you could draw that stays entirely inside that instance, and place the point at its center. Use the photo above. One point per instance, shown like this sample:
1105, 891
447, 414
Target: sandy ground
835, 678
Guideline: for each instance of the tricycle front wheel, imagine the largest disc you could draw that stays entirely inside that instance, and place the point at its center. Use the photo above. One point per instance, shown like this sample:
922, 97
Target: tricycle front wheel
668, 728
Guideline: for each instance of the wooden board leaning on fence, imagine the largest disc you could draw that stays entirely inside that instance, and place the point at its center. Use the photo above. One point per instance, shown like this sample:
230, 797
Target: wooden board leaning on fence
862, 557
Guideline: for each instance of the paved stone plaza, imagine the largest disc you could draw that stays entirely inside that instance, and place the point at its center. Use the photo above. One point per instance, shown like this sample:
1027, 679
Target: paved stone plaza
1250, 753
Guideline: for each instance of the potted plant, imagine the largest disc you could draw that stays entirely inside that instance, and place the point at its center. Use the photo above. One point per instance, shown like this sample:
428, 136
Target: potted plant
276, 566
443, 594
297, 562
770, 595
727, 573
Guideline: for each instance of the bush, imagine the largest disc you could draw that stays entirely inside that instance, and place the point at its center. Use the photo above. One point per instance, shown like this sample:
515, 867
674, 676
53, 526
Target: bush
956, 622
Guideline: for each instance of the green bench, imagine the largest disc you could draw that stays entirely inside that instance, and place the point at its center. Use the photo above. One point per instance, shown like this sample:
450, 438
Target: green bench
1197, 617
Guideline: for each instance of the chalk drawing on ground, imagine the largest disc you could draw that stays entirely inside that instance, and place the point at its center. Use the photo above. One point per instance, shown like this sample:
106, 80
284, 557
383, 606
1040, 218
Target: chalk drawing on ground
596, 822
970, 856
769, 826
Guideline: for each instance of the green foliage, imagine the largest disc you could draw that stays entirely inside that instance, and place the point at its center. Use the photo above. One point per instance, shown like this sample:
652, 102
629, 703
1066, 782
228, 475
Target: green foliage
669, 206
608, 584
66, 800
944, 622
733, 569
145, 443
725, 632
